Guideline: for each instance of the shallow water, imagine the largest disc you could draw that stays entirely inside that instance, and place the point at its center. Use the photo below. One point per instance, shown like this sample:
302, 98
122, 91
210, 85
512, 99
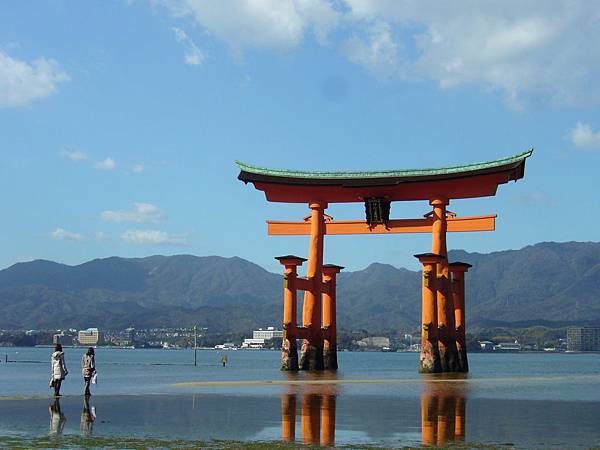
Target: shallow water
527, 400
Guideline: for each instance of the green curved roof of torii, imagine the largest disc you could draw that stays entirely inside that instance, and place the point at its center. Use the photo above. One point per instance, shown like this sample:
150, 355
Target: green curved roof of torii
451, 170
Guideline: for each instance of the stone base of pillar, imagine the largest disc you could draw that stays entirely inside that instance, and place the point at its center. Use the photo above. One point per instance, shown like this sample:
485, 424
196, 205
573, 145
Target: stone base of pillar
452, 360
289, 355
429, 360
463, 361
447, 351
330, 356
442, 346
311, 356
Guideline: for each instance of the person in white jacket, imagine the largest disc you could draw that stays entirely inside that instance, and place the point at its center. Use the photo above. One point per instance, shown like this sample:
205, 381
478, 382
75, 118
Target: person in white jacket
59, 369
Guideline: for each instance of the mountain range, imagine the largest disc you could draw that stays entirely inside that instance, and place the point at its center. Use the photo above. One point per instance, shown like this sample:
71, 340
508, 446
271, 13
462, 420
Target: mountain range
547, 283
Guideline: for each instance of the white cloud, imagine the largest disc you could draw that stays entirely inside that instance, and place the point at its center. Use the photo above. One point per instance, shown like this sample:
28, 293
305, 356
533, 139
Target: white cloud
259, 23
141, 213
193, 56
74, 155
100, 236
22, 83
153, 237
105, 164
582, 136
138, 168
377, 51
530, 51
63, 235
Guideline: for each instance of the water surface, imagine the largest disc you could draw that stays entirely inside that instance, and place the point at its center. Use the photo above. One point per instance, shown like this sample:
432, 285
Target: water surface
525, 400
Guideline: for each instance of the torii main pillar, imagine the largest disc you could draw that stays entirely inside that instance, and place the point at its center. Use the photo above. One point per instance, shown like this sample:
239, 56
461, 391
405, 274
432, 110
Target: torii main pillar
445, 304
311, 353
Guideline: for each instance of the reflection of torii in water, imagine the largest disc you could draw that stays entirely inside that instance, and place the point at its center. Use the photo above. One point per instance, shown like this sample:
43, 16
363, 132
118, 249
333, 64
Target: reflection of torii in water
443, 326
317, 415
443, 412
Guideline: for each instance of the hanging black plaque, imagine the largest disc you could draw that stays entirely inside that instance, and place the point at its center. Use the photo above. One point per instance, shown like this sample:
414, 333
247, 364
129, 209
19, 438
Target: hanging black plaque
377, 210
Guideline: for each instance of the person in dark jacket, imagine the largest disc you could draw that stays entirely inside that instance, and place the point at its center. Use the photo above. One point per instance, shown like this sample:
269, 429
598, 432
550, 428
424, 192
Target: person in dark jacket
88, 369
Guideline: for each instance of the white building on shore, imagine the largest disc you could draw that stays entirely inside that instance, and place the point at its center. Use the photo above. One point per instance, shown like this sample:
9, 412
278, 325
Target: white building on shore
260, 337
253, 343
267, 334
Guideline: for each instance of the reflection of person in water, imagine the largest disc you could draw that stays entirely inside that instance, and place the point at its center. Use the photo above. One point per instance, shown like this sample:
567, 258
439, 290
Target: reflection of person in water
443, 409
57, 418
88, 415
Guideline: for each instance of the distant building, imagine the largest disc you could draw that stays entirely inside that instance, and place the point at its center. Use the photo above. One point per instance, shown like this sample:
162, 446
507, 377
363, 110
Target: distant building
129, 336
415, 348
583, 339
91, 336
374, 342
507, 347
253, 343
486, 346
267, 334
226, 346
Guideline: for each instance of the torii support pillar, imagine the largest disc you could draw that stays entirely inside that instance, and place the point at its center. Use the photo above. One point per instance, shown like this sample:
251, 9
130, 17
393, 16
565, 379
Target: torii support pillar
429, 361
445, 307
311, 354
457, 270
289, 346
330, 272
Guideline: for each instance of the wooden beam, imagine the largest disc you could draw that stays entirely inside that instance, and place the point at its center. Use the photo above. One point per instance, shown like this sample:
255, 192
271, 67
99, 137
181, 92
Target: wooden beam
302, 284
455, 224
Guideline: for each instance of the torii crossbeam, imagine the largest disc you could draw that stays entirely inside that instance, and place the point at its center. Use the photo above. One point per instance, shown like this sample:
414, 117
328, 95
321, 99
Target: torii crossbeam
393, 226
443, 322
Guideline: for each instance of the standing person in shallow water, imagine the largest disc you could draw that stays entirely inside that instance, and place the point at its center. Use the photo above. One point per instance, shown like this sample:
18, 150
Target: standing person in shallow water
59, 368
88, 369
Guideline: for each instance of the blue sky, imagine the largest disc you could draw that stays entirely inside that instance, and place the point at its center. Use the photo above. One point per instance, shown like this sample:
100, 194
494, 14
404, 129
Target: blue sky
120, 121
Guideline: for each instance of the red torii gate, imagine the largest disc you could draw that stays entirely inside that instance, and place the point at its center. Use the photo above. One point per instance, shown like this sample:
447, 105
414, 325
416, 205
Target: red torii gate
443, 346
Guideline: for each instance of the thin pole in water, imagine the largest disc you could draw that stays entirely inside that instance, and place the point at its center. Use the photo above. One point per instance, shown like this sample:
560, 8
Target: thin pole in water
195, 344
